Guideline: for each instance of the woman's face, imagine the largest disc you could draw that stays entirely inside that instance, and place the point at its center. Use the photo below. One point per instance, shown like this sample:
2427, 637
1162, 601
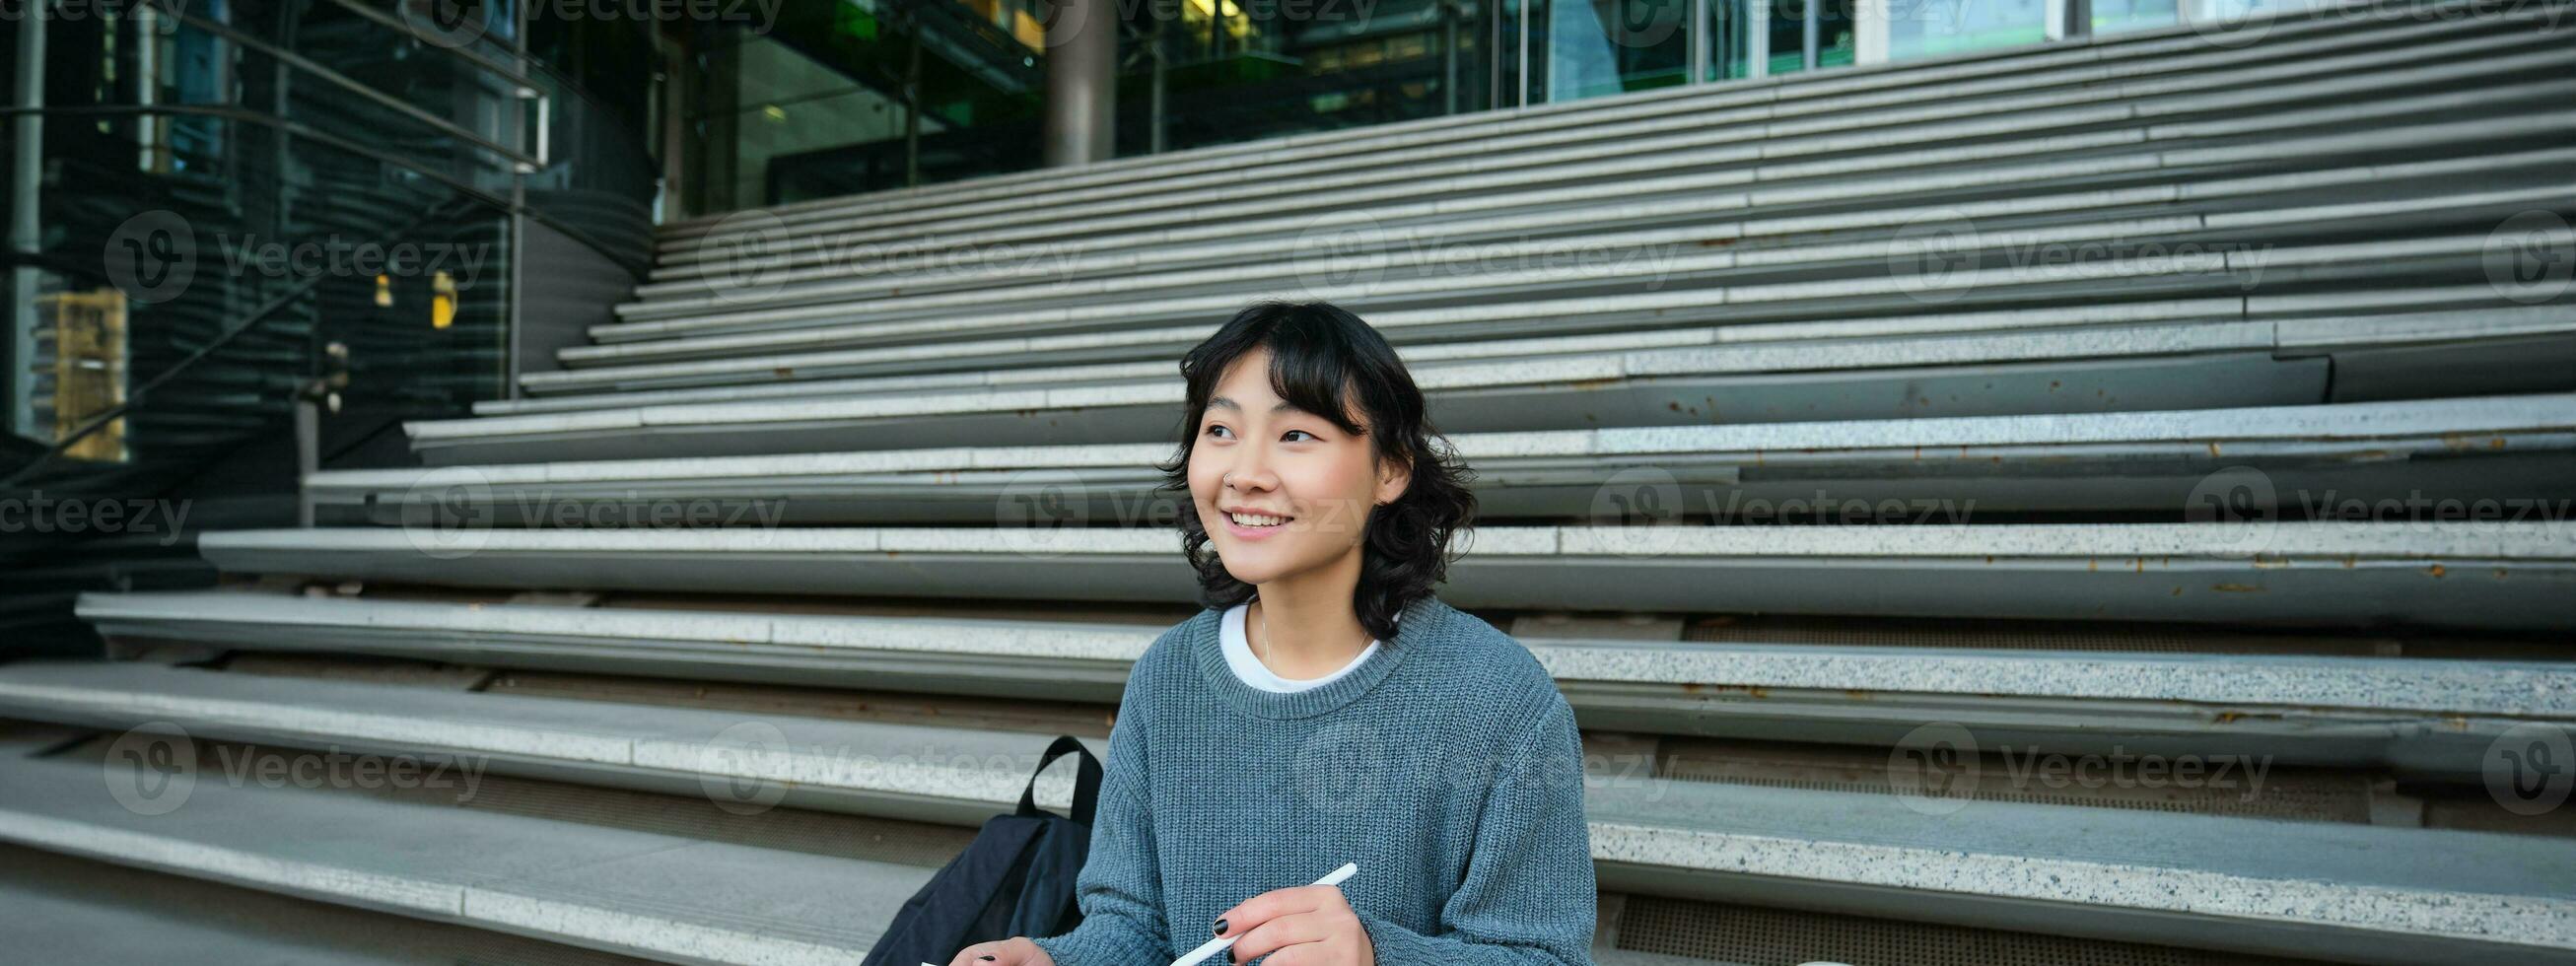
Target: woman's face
1283, 463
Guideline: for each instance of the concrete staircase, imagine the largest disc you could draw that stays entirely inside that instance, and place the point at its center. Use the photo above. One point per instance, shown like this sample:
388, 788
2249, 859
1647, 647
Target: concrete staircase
723, 637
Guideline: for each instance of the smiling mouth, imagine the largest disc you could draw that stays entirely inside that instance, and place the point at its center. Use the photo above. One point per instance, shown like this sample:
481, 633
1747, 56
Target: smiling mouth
1255, 521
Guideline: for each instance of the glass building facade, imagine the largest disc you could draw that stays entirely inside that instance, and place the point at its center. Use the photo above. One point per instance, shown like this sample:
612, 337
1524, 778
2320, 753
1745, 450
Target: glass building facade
862, 95
269, 157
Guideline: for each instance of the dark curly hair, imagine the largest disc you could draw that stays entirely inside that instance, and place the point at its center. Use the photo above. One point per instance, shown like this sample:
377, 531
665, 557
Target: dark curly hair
1320, 356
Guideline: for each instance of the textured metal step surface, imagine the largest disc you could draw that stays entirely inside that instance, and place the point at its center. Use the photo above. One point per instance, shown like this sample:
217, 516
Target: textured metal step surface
2427, 716
2494, 575
926, 773
1502, 330
2122, 54
2345, 892
2316, 79
657, 896
2190, 366
2360, 891
66, 910
2504, 448
1736, 232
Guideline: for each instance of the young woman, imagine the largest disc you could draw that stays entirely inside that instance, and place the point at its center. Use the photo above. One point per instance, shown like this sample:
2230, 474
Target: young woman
1326, 707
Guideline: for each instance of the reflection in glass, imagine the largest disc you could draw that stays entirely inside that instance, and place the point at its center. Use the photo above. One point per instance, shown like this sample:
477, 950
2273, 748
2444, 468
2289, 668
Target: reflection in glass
1926, 28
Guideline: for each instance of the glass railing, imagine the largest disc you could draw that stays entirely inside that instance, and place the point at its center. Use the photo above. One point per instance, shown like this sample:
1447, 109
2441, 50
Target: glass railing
211, 205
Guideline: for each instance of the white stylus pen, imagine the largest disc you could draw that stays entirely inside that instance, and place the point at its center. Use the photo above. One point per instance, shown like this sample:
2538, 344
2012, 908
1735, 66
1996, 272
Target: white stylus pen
1214, 946
1210, 947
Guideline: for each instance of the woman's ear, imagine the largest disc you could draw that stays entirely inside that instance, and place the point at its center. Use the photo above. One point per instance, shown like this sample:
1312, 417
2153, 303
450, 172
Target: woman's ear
1392, 482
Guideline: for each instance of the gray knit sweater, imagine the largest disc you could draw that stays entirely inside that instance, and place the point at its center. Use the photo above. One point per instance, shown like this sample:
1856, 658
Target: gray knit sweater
1447, 766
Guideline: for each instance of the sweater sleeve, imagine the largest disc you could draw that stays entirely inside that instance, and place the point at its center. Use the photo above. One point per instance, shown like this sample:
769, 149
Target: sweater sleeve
1120, 888
1529, 898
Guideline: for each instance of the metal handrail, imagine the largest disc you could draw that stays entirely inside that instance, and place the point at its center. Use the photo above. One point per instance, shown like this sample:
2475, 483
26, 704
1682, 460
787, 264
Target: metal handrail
529, 163
248, 321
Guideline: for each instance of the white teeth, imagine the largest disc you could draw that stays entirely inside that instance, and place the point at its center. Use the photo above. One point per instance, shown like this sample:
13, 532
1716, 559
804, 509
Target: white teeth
1253, 520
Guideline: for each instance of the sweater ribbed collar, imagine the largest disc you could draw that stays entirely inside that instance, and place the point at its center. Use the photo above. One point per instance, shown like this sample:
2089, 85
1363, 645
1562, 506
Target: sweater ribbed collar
1424, 621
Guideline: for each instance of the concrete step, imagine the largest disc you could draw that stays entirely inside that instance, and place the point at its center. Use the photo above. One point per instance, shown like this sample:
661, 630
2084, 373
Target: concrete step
1769, 251
2468, 574
2196, 365
2362, 892
2351, 893
1707, 139
67, 910
1427, 337
2502, 448
1883, 83
2145, 156
656, 896
2423, 717
1699, 207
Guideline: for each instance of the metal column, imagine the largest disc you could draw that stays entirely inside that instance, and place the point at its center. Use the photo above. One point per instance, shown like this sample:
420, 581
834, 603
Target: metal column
1081, 80
26, 229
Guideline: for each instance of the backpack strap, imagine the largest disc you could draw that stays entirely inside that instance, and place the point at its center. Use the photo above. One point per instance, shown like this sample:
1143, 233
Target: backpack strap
1086, 780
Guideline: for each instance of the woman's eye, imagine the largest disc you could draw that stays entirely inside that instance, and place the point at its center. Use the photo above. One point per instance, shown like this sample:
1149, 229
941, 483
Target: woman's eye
1303, 431
1211, 431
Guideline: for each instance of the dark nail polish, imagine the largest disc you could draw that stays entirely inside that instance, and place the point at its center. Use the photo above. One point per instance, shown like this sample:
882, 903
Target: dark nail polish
1220, 927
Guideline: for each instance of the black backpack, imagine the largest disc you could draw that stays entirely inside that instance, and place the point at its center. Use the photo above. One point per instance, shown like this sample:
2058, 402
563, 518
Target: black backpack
1015, 879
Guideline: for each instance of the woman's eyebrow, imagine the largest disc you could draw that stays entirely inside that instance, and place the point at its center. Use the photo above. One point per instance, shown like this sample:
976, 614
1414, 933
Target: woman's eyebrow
1221, 402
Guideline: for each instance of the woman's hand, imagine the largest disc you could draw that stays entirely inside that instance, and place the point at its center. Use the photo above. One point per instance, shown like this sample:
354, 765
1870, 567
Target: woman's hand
1015, 951
1309, 925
